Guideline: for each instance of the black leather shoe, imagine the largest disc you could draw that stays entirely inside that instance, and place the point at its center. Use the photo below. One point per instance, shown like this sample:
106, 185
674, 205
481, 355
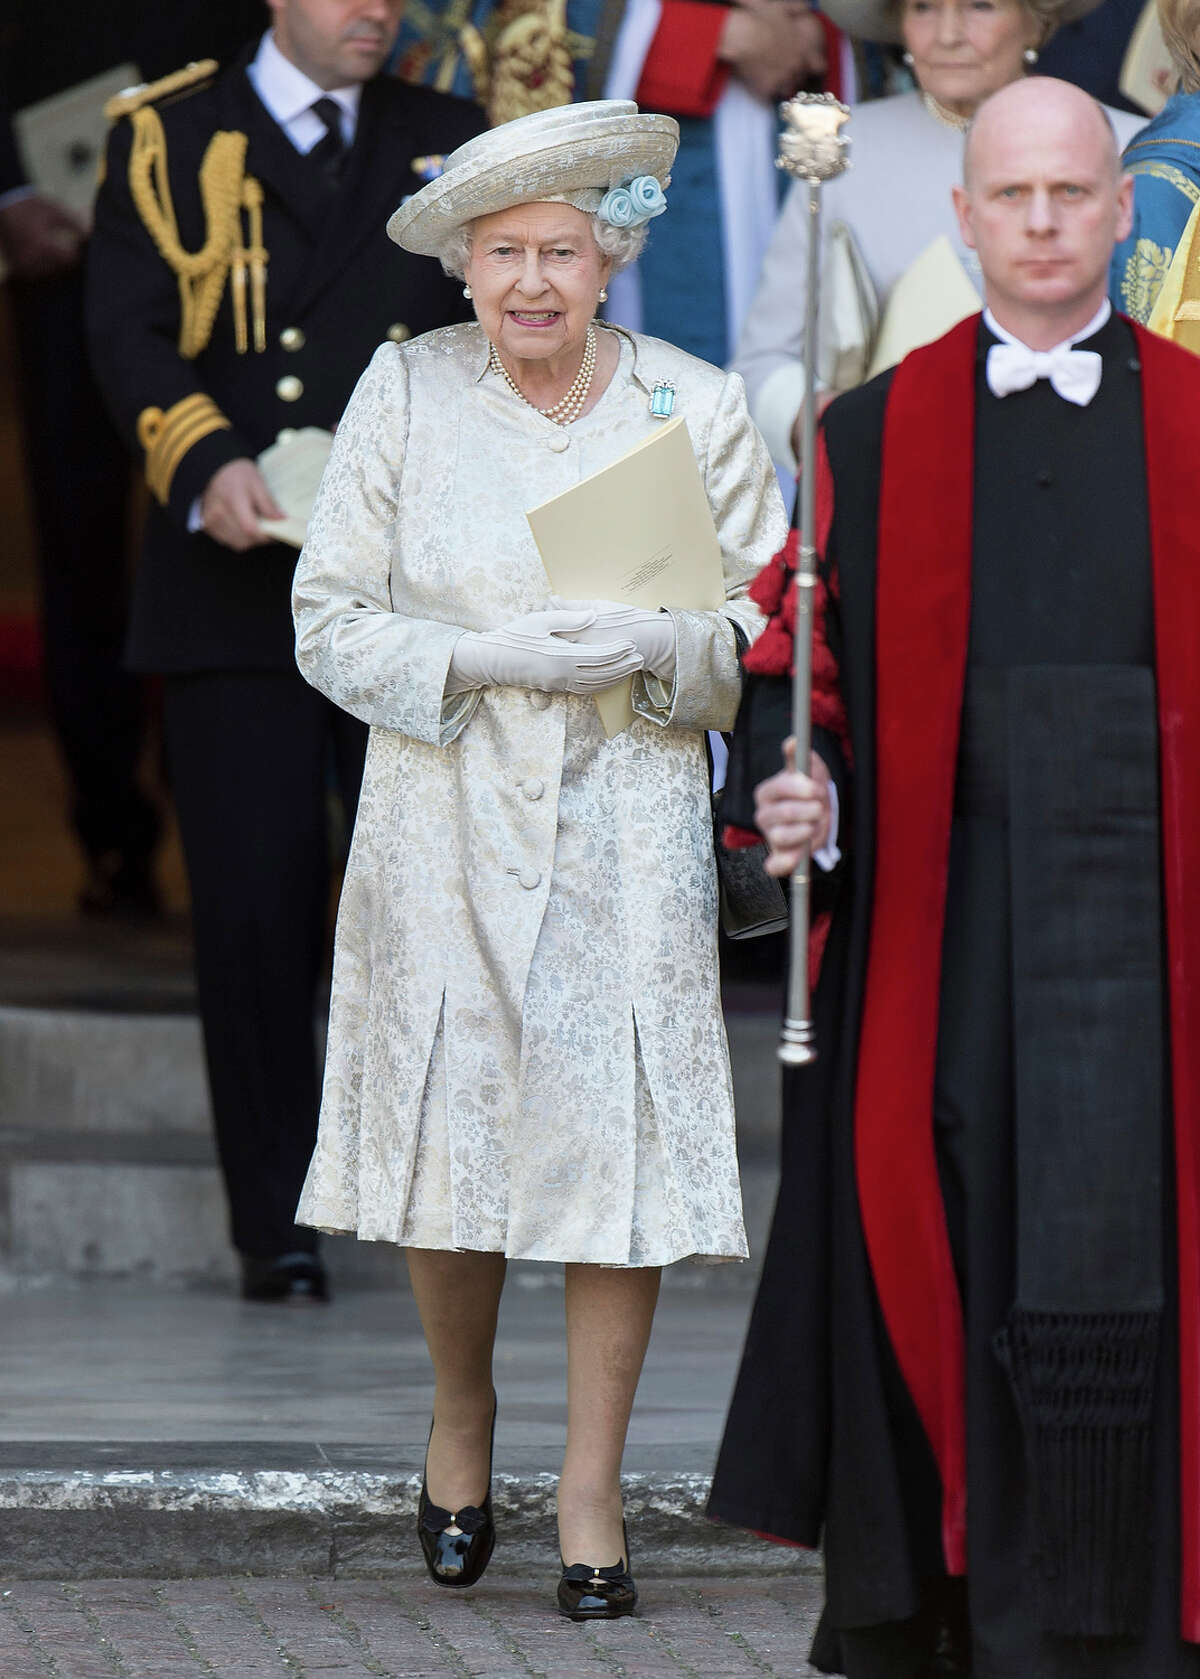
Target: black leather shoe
457, 1544
951, 1656
284, 1279
121, 888
597, 1594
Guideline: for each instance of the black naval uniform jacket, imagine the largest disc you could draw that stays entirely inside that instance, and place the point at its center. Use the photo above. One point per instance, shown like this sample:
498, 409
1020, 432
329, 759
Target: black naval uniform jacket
336, 287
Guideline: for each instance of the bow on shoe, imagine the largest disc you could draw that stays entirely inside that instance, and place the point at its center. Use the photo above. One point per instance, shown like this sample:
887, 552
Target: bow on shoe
470, 1519
1074, 374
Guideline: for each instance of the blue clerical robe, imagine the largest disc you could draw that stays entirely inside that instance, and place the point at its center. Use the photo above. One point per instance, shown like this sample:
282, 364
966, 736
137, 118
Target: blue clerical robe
1164, 160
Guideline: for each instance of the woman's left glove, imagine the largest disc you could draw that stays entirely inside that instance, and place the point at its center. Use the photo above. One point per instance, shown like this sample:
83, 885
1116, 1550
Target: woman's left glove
652, 633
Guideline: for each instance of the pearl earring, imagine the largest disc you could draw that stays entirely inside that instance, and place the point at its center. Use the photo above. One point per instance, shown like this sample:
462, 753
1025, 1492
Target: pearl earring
1030, 55
603, 298
906, 58
468, 293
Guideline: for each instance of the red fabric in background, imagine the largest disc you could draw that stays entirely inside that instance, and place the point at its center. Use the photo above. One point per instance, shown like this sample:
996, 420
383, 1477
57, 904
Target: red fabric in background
682, 73
1171, 396
21, 659
774, 591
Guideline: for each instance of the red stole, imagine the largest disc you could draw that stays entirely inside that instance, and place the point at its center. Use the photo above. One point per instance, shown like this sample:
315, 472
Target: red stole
923, 606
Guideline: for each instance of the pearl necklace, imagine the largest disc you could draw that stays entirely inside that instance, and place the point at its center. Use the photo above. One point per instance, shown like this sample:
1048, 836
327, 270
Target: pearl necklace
939, 113
568, 407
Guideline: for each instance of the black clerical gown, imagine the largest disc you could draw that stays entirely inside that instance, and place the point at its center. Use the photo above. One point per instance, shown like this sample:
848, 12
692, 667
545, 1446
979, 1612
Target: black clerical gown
1061, 576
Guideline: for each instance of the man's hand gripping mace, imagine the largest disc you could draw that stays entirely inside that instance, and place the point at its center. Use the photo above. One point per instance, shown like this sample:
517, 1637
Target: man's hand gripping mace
813, 149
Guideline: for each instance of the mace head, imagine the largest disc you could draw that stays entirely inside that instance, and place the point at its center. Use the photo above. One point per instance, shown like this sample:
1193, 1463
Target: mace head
812, 146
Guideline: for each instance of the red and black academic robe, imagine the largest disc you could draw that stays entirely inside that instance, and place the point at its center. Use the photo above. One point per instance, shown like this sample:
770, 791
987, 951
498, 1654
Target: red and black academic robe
849, 1422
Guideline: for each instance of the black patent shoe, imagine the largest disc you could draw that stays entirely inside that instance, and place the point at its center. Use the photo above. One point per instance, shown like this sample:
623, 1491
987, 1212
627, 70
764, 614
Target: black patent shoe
457, 1544
597, 1594
285, 1279
951, 1654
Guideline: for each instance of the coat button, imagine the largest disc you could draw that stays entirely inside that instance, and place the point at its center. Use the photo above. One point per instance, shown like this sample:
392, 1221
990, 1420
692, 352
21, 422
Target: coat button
529, 878
399, 333
289, 388
292, 338
558, 442
534, 787
538, 700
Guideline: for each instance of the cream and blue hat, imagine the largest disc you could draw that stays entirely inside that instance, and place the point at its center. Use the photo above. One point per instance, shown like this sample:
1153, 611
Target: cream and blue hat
602, 155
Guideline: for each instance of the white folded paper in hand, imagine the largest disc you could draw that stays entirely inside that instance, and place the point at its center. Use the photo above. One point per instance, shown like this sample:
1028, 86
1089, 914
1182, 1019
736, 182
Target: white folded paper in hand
292, 468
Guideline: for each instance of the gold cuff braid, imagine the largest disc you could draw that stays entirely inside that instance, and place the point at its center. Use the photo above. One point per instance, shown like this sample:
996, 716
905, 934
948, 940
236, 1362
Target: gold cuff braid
166, 438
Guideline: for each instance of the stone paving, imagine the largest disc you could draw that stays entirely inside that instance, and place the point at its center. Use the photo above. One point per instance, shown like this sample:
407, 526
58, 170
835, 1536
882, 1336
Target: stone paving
506, 1628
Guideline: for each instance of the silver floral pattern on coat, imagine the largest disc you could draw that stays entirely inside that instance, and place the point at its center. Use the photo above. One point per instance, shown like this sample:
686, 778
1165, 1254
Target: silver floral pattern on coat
526, 1049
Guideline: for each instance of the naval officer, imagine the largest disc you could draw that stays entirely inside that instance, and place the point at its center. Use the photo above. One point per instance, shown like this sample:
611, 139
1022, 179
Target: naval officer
239, 282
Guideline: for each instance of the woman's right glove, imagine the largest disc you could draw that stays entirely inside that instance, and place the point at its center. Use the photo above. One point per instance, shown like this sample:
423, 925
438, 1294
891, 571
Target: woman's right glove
536, 652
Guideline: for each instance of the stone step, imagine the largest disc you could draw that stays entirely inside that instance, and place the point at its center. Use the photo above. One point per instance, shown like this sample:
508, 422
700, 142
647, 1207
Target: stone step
107, 1166
155, 1432
169, 1521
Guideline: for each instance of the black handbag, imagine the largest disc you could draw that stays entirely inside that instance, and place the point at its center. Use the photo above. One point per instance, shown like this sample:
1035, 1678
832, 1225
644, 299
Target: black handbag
753, 903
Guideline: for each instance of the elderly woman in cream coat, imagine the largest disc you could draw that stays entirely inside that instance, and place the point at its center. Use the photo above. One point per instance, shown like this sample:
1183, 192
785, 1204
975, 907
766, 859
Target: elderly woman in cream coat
526, 1051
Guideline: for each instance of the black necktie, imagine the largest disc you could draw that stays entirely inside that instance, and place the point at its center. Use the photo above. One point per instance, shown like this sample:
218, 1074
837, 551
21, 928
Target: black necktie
329, 153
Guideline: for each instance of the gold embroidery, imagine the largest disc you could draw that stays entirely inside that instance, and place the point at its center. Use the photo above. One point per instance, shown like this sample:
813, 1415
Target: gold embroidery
1144, 274
526, 63
124, 104
1173, 176
1176, 314
1137, 145
166, 438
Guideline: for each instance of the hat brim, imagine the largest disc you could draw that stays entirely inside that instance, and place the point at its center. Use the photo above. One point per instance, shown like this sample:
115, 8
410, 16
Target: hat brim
547, 155
876, 20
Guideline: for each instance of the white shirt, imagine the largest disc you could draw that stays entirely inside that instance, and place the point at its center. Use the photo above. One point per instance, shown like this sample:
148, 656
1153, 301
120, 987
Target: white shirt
1094, 325
289, 96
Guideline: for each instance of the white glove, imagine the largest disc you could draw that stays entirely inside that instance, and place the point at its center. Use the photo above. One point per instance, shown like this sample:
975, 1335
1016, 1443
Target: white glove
539, 651
652, 633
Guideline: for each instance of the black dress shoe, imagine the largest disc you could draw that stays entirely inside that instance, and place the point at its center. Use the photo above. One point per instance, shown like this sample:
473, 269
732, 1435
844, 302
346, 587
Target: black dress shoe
457, 1544
597, 1594
285, 1279
951, 1655
121, 888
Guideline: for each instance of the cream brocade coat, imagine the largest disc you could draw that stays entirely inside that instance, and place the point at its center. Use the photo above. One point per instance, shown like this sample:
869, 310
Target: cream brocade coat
526, 1049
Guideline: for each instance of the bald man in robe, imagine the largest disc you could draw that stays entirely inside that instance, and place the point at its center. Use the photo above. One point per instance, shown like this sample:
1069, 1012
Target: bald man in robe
973, 1369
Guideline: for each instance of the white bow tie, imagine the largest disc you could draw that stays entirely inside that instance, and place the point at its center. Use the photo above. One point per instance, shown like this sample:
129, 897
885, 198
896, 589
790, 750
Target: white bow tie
1074, 374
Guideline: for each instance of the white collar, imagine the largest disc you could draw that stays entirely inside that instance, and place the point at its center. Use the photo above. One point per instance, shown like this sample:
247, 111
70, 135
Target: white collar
1094, 325
287, 92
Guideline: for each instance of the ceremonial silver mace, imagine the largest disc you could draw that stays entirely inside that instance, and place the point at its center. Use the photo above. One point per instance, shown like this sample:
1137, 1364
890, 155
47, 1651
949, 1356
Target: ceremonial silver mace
813, 149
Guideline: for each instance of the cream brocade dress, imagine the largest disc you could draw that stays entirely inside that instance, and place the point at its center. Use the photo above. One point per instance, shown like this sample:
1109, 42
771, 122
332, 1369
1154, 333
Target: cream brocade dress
526, 1049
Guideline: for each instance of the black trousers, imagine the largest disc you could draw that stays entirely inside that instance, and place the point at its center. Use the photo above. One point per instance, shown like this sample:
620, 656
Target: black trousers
253, 758
79, 480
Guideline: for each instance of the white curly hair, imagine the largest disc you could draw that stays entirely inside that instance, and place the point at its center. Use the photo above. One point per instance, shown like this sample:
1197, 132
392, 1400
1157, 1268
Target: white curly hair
621, 245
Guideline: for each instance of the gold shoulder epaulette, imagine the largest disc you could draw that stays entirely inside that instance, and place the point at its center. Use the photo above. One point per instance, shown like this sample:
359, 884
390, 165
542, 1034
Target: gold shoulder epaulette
202, 70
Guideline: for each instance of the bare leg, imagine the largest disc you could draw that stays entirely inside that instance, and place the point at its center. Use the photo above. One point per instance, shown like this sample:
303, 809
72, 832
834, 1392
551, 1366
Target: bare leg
609, 1315
458, 1298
